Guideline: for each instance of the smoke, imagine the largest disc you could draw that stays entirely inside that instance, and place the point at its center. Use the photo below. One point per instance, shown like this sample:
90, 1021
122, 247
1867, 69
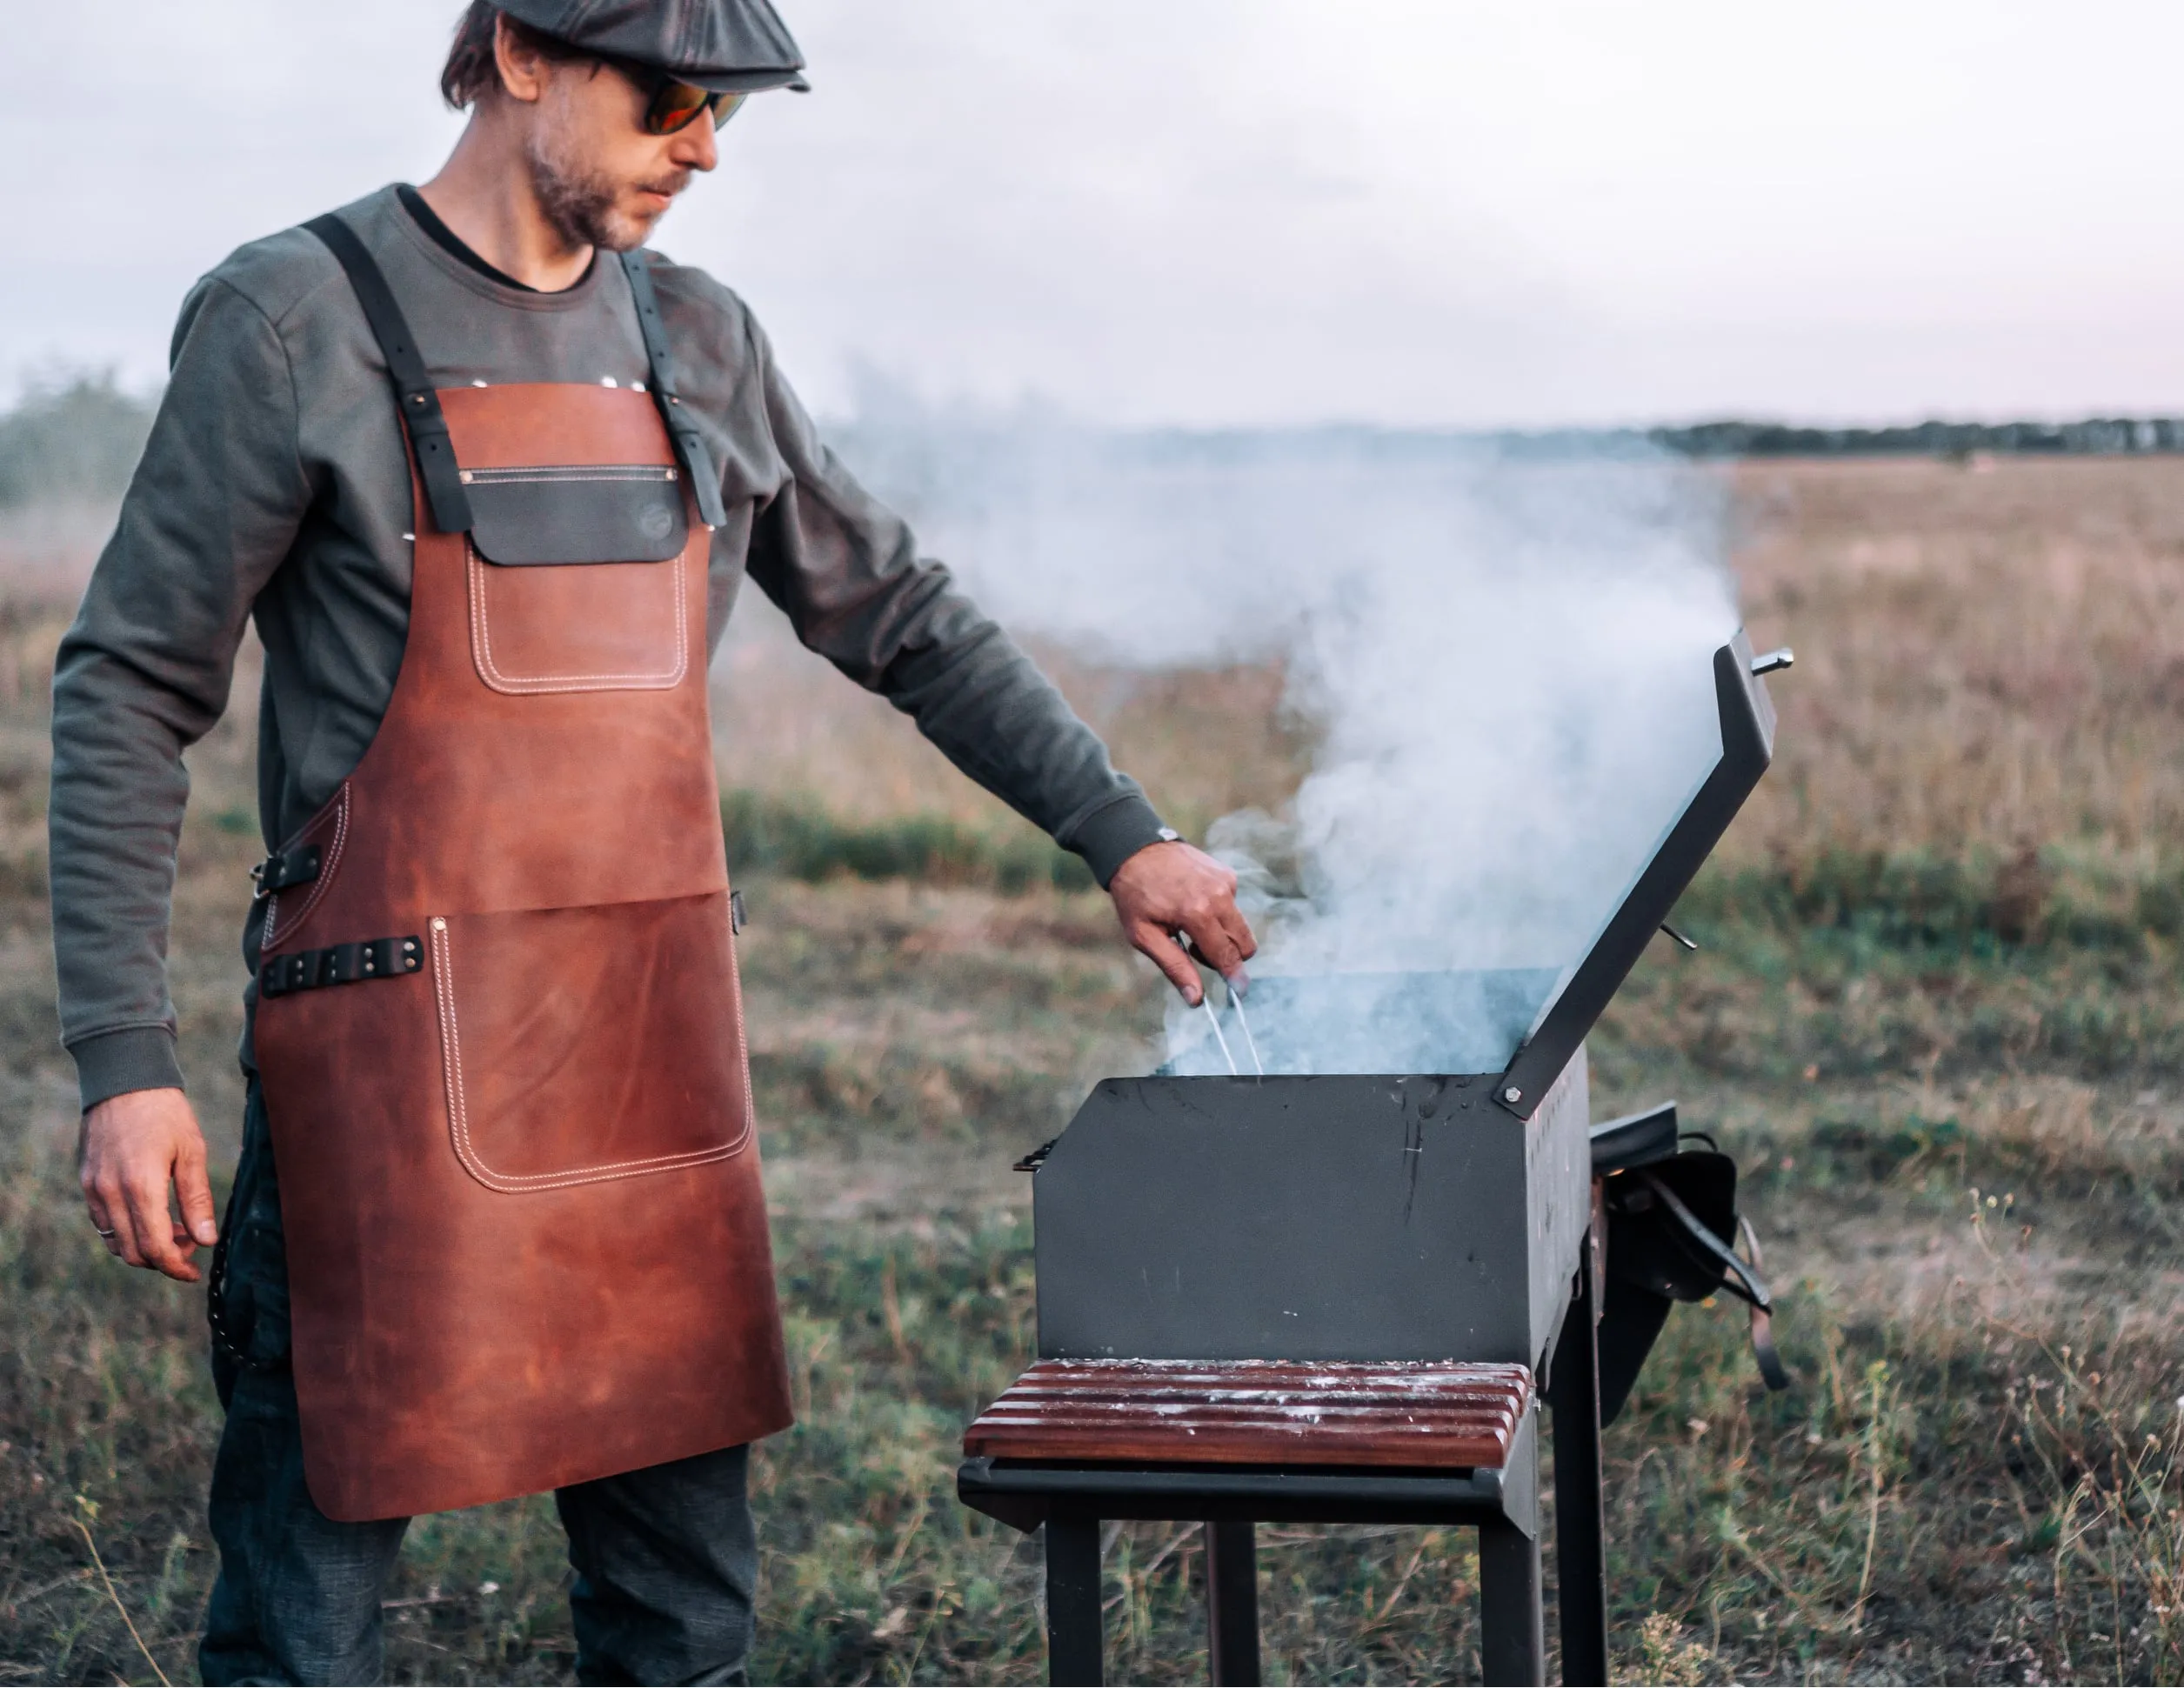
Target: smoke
1505, 658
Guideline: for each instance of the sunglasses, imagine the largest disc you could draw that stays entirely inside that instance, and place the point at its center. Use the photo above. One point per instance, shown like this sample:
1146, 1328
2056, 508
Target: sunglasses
671, 104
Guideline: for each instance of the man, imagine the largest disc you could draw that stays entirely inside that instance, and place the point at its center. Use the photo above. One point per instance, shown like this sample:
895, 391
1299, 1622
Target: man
486, 476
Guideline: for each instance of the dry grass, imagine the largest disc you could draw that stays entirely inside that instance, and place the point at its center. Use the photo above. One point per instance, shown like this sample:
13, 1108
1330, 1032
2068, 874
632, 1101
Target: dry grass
1984, 659
1987, 659
1206, 742
1940, 967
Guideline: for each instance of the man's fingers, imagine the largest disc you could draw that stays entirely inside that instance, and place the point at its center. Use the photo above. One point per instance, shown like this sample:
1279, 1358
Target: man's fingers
152, 1221
1216, 926
1240, 931
113, 1207
1167, 955
96, 1207
150, 1229
94, 1203
193, 1189
1216, 943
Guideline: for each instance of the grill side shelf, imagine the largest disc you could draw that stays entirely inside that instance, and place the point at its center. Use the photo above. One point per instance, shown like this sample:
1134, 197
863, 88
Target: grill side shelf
1408, 1414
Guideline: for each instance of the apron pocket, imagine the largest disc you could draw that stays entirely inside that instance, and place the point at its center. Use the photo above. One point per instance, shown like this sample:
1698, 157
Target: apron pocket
579, 626
583, 1045
550, 516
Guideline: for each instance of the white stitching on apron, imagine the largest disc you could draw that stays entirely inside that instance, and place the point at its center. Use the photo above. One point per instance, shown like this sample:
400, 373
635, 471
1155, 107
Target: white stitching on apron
488, 670
320, 884
458, 1109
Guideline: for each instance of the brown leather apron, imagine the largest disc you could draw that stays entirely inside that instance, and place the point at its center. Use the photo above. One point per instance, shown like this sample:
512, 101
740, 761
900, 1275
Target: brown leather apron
498, 1025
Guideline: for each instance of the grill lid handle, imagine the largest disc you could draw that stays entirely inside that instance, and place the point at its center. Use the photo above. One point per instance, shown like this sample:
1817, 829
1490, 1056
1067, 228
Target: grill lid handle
1774, 661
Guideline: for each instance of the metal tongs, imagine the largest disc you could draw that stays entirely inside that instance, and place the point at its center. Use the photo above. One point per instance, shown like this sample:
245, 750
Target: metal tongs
1236, 1007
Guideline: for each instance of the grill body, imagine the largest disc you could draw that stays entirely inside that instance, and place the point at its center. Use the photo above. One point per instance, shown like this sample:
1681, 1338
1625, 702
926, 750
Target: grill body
1333, 1218
1314, 1219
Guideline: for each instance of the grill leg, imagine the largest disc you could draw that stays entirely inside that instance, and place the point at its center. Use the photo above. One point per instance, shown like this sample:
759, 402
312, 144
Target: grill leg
1073, 1652
1232, 1602
1512, 1645
1580, 1547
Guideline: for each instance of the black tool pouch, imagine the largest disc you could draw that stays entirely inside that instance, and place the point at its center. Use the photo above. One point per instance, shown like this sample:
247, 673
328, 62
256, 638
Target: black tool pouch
1673, 1227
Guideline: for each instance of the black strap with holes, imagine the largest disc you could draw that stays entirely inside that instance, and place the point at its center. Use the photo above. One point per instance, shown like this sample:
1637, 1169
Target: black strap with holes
291, 867
341, 963
690, 445
415, 397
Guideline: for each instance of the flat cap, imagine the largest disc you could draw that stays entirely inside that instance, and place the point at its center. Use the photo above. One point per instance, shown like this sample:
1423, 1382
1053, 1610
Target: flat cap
731, 46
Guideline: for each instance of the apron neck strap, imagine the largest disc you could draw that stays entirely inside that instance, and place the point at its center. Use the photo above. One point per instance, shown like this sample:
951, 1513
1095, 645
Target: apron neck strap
415, 396
690, 445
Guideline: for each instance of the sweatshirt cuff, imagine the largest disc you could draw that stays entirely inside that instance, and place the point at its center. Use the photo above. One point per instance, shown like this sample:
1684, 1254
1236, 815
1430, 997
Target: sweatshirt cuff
1110, 834
136, 1057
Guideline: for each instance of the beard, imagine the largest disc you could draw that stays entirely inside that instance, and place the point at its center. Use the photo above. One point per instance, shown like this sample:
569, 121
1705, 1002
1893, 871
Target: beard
582, 205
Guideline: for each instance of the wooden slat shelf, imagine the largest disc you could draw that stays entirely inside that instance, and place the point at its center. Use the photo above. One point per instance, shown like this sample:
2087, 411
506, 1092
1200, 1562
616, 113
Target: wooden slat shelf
1423, 1414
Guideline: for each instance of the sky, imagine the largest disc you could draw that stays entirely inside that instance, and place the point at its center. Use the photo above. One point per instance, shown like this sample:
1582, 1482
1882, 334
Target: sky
1212, 213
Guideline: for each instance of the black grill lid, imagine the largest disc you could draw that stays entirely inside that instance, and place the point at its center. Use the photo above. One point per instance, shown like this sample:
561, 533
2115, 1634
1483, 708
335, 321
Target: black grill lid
1748, 746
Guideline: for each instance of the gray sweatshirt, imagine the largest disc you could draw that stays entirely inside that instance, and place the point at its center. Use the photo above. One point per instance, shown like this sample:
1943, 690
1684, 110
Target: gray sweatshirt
275, 487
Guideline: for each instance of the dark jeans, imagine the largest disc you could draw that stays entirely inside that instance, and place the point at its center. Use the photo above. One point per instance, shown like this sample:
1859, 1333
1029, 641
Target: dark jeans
666, 1560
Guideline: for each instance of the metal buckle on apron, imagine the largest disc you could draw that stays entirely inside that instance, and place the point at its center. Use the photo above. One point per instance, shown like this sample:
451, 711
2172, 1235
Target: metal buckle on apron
344, 963
293, 867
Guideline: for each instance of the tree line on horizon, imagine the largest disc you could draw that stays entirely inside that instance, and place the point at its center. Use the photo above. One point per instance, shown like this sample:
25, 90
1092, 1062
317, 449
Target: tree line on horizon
76, 439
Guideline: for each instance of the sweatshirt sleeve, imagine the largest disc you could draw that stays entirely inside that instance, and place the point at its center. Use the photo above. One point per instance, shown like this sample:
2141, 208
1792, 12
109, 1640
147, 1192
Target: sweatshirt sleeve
846, 570
144, 670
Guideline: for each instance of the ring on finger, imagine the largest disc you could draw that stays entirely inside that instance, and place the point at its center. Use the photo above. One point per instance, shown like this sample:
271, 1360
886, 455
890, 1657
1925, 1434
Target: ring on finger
108, 1234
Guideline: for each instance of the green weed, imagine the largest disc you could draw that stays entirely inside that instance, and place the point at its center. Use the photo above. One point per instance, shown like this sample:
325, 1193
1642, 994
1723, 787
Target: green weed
803, 840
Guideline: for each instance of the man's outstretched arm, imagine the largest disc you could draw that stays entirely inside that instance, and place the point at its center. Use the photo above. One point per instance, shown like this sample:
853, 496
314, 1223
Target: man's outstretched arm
846, 570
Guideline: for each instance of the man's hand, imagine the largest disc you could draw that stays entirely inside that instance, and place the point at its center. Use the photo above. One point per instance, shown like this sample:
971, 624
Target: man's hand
136, 1146
1168, 890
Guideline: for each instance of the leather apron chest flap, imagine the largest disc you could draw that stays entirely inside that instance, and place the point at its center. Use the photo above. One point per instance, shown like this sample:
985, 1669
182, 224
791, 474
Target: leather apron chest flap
500, 1028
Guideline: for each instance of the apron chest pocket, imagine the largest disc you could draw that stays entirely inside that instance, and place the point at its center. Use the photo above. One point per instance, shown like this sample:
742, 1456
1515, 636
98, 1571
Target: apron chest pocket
576, 577
557, 515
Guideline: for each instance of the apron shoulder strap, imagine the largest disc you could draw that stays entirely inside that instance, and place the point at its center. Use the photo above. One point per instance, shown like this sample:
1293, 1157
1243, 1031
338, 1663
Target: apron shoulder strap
417, 401
690, 445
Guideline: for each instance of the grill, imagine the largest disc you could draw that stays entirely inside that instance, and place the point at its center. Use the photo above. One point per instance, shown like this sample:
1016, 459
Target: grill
1340, 1228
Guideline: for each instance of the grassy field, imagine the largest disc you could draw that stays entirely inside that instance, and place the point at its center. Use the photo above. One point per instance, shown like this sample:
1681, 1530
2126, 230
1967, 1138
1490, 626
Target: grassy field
1935, 1015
